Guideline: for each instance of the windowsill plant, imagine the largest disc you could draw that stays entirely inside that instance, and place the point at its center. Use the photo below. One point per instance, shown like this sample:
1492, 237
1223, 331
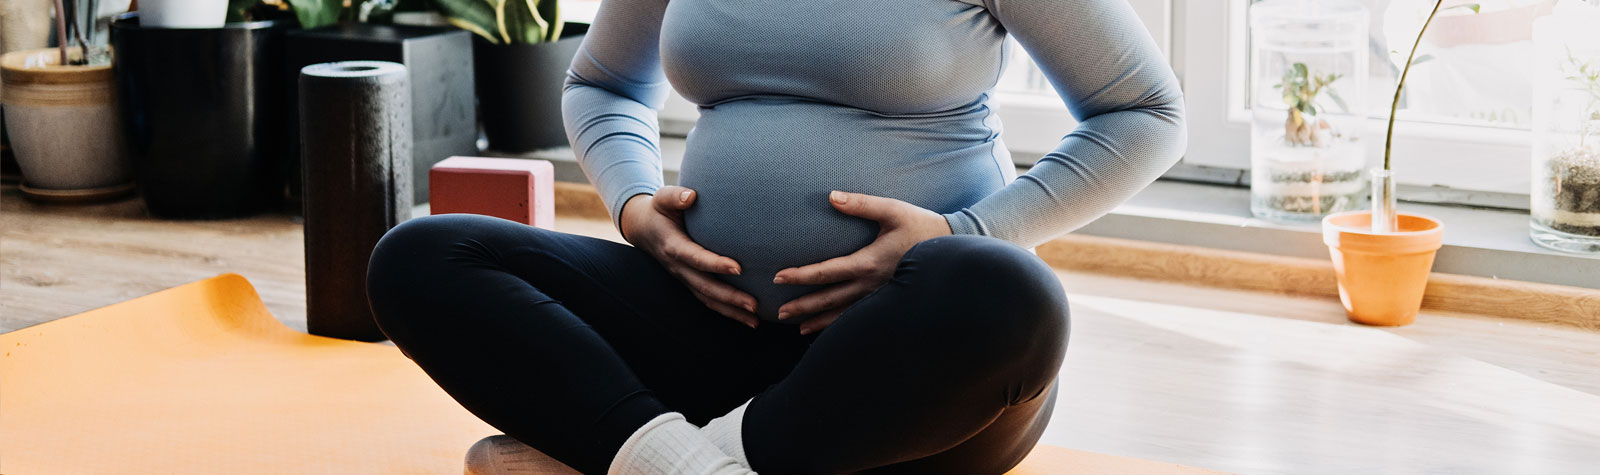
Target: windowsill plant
1306, 155
1565, 196
1382, 257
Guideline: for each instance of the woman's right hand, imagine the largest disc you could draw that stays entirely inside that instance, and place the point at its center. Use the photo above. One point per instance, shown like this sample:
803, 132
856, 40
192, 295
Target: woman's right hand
654, 223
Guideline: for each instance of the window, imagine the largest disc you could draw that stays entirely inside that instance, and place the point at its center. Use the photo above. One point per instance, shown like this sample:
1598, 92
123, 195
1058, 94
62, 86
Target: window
1463, 121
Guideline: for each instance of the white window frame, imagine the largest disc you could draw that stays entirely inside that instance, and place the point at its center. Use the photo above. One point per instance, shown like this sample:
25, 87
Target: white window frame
1210, 50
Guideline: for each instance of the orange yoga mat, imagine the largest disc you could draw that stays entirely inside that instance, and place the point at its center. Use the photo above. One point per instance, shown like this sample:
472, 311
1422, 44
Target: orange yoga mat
202, 379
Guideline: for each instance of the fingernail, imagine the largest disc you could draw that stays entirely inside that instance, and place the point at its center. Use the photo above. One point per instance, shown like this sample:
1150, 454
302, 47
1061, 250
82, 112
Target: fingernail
684, 196
733, 270
838, 197
752, 324
750, 307
783, 315
778, 279
805, 331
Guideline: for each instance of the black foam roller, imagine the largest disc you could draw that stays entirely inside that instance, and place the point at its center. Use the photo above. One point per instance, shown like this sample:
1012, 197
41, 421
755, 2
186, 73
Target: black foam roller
355, 152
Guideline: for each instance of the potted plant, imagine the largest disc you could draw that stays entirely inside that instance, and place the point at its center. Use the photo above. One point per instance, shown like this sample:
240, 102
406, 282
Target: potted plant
1307, 159
1565, 197
63, 125
521, 54
1382, 258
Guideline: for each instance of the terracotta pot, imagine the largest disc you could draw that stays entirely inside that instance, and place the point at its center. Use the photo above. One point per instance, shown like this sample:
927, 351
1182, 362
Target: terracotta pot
63, 125
1381, 275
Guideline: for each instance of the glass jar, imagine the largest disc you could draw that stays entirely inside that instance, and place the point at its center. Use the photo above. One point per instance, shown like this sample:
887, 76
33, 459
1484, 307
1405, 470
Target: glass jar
1565, 196
1308, 61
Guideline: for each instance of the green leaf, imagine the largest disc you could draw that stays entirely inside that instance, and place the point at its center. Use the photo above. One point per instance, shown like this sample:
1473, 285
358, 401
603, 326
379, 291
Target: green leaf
1422, 59
550, 11
317, 13
1300, 69
476, 16
520, 23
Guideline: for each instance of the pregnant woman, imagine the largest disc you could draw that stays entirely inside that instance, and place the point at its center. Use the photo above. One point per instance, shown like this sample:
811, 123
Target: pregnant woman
839, 285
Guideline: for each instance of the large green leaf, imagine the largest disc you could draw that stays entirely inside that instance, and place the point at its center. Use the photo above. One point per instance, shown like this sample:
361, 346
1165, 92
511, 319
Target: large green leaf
505, 21
521, 23
317, 13
477, 16
550, 11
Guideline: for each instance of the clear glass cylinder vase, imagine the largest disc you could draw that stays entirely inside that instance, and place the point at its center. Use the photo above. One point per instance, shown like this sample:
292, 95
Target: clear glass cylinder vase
1308, 88
1564, 201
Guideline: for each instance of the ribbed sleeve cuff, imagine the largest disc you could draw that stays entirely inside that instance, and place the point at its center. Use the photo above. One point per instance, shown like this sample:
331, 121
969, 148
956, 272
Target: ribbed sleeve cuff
615, 201
963, 222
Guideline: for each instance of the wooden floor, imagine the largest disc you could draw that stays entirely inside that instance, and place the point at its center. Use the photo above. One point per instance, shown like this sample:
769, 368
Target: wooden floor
1227, 380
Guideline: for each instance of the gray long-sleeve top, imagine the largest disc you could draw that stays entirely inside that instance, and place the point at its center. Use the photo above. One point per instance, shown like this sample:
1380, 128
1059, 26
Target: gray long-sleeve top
886, 97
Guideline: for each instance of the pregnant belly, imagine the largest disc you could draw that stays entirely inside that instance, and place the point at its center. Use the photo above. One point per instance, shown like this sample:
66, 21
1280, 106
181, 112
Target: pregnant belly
763, 170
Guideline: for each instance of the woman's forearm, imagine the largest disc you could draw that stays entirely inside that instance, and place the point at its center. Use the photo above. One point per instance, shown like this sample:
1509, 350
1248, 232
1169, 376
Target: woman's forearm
613, 90
616, 142
1115, 80
1098, 166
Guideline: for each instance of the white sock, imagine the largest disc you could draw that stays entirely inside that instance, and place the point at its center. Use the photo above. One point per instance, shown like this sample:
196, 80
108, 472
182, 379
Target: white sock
670, 445
727, 433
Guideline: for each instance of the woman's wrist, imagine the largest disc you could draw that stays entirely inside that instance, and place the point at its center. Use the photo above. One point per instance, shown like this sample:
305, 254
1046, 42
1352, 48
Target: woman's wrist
630, 209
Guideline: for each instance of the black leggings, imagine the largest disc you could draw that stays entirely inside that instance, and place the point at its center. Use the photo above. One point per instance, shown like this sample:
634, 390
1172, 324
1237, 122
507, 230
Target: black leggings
570, 343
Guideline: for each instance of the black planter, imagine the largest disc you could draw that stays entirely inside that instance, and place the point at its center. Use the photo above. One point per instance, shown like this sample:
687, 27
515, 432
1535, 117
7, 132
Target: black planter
439, 63
519, 90
204, 112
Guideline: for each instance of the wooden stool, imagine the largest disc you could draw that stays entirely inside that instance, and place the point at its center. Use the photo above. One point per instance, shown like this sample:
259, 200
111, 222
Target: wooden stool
509, 188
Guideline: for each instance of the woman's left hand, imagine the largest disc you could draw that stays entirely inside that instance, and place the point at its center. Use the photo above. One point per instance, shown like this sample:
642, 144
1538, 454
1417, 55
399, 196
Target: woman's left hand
900, 226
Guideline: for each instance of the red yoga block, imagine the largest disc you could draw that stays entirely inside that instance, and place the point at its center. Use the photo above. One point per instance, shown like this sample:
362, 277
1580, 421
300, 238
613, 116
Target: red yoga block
510, 188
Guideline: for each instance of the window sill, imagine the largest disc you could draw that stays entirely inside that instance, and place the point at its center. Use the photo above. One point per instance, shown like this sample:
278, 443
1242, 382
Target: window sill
1477, 242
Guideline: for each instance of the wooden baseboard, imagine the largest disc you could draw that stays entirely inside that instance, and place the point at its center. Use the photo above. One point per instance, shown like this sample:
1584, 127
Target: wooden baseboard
1543, 303
579, 199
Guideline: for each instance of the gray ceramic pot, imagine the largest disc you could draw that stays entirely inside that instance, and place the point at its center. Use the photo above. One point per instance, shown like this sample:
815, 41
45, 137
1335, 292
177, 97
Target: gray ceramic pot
64, 127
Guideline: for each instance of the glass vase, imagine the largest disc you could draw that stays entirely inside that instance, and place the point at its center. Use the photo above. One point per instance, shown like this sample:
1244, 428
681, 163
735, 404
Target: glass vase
1308, 62
1564, 201
1385, 204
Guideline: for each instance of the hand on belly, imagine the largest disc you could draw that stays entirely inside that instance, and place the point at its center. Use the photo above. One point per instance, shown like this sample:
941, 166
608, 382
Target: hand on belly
654, 223
824, 286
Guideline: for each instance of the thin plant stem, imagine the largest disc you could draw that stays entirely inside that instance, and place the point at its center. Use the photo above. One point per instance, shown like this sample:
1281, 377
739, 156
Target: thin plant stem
1394, 107
61, 30
77, 31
